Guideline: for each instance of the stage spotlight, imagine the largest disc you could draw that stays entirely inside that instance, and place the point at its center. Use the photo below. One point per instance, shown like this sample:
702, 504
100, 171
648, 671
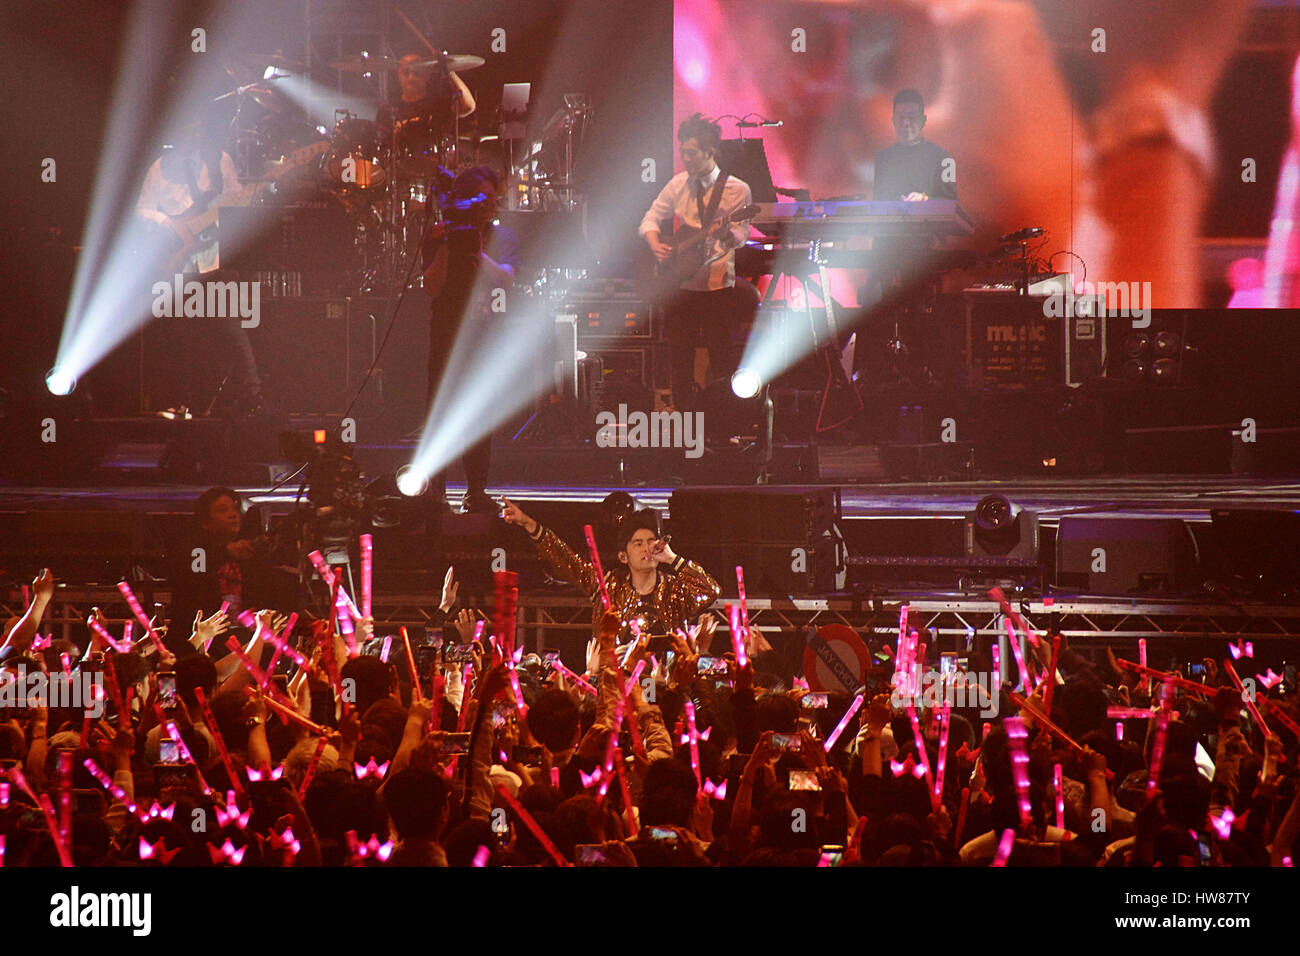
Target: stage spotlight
410, 482
59, 381
997, 528
746, 383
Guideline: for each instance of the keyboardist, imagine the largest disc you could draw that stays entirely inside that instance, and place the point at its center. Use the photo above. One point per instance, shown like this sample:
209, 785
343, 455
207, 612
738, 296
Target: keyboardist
913, 168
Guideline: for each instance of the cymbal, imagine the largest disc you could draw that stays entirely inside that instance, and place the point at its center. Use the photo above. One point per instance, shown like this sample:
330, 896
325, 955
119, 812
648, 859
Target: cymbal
455, 62
260, 61
364, 63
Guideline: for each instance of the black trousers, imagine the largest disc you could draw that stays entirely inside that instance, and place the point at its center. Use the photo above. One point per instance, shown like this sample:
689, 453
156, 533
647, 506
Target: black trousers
477, 459
713, 320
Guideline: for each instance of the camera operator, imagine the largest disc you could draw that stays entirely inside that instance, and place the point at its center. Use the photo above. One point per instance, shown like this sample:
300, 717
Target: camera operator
470, 264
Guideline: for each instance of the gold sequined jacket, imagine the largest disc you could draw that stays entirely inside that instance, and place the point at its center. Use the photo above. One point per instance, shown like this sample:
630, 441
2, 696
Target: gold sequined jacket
681, 592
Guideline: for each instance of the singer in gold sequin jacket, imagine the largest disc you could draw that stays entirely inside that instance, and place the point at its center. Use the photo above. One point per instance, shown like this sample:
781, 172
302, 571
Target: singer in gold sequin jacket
652, 583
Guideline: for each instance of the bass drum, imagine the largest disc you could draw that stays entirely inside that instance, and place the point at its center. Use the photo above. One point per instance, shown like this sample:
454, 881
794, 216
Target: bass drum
359, 158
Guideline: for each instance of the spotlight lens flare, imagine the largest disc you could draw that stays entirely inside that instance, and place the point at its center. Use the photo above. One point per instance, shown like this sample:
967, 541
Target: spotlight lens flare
746, 383
60, 381
410, 483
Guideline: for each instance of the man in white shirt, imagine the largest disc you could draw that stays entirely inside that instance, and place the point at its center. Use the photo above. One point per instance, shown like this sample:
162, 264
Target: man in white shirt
709, 304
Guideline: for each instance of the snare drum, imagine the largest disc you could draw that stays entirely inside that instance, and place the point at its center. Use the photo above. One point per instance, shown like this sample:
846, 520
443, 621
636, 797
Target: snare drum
358, 158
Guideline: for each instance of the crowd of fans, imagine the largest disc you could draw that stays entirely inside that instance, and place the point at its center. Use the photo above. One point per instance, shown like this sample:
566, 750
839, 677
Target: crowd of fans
236, 748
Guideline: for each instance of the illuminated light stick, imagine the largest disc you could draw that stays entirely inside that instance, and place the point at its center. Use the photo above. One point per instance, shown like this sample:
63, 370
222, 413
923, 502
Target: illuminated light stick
1017, 734
744, 605
2, 850
1119, 730
1018, 654
118, 793
629, 812
259, 675
529, 822
1051, 674
1058, 779
1157, 753
514, 683
634, 677
918, 743
1128, 713
344, 615
595, 563
311, 768
410, 664
294, 655
1247, 699
961, 817
65, 664
27, 597
481, 856
737, 639
1280, 716
996, 650
692, 737
65, 795
388, 646
279, 641
4, 794
945, 714
575, 679
128, 633
1009, 611
610, 748
326, 574
1180, 682
175, 735
222, 750
134, 604
1050, 727
107, 638
43, 801
367, 572
555, 777
844, 722
290, 714
1004, 847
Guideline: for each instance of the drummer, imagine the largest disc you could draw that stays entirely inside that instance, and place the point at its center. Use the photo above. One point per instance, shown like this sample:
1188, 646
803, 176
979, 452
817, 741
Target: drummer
429, 98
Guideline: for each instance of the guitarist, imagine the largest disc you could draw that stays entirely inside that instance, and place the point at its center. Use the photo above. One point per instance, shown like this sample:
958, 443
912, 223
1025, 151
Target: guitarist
186, 180
709, 305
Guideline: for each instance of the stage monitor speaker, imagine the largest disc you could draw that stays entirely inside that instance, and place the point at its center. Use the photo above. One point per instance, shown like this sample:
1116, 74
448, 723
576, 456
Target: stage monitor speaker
787, 541
1126, 556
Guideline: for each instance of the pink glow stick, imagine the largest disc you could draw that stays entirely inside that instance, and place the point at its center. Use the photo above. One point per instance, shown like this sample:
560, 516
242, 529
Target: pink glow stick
961, 817
258, 675
1281, 717
1119, 730
595, 563
43, 801
1144, 684
224, 752
918, 743
311, 768
996, 650
134, 604
1017, 734
629, 812
529, 822
844, 723
634, 677
481, 856
1009, 611
737, 638
410, 663
279, 641
175, 735
118, 793
1182, 683
575, 679
326, 574
1019, 655
945, 714
1128, 713
65, 794
291, 714
1004, 847
367, 572
1051, 674
744, 605
1157, 752
388, 646
1247, 699
1058, 778
514, 686
693, 737
108, 638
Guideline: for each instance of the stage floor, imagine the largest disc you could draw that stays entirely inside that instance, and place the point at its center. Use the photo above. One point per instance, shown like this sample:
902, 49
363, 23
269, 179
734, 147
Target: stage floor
1191, 497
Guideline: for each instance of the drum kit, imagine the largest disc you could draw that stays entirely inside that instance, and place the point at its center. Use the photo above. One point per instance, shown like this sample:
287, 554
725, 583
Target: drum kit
388, 176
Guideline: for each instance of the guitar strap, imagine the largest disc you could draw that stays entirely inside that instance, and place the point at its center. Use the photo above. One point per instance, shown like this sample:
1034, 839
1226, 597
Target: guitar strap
715, 200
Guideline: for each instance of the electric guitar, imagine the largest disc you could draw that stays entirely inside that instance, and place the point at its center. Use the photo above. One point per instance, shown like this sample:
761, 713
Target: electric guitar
191, 232
693, 249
